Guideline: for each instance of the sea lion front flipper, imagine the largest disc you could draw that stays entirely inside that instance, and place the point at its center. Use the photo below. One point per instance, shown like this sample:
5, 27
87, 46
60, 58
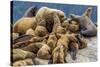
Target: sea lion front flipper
73, 47
73, 54
88, 33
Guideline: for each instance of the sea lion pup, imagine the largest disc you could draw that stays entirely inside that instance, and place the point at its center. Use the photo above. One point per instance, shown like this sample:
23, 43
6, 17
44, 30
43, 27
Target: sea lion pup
48, 17
58, 55
87, 27
23, 24
24, 62
33, 47
41, 31
31, 12
19, 54
52, 40
44, 52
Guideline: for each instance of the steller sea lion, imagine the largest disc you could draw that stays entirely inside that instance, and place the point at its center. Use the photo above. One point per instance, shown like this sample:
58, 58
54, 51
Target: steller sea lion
48, 17
87, 27
24, 62
19, 54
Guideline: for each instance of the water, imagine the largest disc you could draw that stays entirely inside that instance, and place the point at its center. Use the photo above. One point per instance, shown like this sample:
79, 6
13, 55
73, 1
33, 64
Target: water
19, 8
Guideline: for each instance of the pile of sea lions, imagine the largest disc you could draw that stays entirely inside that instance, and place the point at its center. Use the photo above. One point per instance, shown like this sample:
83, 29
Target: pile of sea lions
47, 33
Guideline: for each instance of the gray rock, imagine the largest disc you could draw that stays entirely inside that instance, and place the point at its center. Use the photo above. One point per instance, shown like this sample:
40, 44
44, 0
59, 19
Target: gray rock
80, 58
88, 54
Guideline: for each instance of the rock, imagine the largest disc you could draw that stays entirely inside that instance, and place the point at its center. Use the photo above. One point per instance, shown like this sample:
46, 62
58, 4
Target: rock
88, 54
79, 58
39, 61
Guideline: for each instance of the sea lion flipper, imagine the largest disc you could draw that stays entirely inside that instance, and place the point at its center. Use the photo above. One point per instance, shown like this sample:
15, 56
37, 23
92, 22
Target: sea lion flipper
73, 54
31, 12
88, 33
88, 12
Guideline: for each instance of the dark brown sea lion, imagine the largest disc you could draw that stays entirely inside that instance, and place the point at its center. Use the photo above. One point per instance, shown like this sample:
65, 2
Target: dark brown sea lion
22, 38
87, 27
33, 47
31, 12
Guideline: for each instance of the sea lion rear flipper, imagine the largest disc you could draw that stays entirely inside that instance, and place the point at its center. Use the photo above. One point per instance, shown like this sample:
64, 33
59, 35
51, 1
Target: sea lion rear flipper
88, 12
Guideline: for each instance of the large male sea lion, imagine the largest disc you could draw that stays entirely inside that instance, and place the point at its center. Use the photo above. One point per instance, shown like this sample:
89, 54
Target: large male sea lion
87, 27
48, 17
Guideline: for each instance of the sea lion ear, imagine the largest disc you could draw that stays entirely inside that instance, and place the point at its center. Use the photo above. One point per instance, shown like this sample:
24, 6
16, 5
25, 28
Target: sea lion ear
88, 12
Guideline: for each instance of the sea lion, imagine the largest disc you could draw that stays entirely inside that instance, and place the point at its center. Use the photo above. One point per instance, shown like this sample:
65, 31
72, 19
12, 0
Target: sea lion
47, 17
24, 62
87, 27
58, 55
19, 54
44, 52
52, 40
31, 11
22, 38
30, 32
33, 47
41, 31
23, 24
